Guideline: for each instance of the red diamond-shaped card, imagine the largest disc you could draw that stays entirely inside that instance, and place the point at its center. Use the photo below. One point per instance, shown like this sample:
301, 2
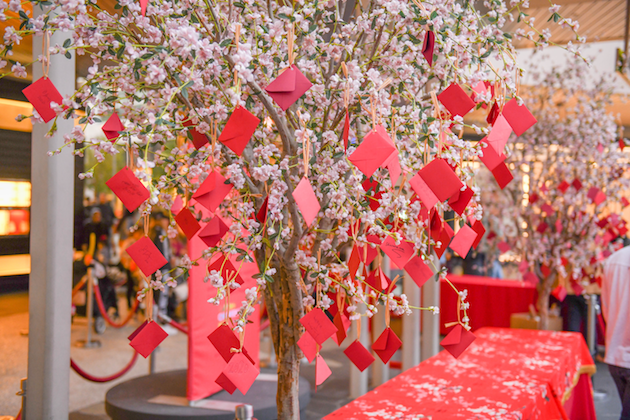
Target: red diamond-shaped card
456, 101
147, 337
463, 240
288, 87
261, 216
378, 280
225, 383
490, 157
424, 193
375, 149
393, 167
444, 238
499, 135
398, 254
441, 178
40, 94
342, 322
577, 184
463, 198
322, 371
224, 340
112, 127
428, 46
309, 346
318, 325
372, 193
212, 191
199, 139
239, 128
228, 272
493, 114
213, 231
457, 341
519, 117
559, 293
146, 255
359, 355
418, 270
128, 189
563, 186
502, 175
306, 201
241, 372
481, 230
187, 223
386, 345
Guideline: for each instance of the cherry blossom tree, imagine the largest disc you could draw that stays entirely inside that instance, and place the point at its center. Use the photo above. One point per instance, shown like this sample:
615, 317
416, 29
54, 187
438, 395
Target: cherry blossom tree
331, 125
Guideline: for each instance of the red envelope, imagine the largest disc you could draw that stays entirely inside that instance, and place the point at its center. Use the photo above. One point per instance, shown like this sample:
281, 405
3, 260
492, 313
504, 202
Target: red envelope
187, 223
112, 127
502, 175
239, 128
519, 117
212, 191
423, 191
213, 231
499, 134
147, 337
398, 254
225, 383
364, 253
147, 257
503, 247
308, 345
418, 270
463, 240
241, 372
393, 167
441, 178
378, 280
40, 94
261, 216
318, 325
577, 184
199, 139
342, 322
428, 46
224, 340
456, 101
346, 131
493, 114
322, 371
128, 189
178, 205
546, 208
375, 149
143, 6
478, 227
444, 238
288, 87
372, 186
228, 272
563, 186
306, 201
359, 355
457, 341
459, 205
386, 345
559, 293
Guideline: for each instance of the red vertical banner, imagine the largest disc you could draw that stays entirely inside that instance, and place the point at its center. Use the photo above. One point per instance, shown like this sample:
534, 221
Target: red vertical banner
204, 362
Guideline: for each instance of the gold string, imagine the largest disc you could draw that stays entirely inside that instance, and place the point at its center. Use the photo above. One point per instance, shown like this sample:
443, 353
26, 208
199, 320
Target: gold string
290, 42
46, 53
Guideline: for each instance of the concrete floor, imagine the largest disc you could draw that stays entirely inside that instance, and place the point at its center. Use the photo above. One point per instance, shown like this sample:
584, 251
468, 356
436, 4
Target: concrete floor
86, 398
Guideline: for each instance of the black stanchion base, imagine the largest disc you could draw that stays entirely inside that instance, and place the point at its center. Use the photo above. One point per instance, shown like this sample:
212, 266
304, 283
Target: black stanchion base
163, 397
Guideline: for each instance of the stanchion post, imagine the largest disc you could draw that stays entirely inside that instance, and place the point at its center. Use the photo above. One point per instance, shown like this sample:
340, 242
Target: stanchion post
152, 361
88, 343
590, 331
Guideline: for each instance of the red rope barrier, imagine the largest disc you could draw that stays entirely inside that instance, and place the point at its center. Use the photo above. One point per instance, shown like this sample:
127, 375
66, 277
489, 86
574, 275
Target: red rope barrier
92, 378
173, 324
101, 308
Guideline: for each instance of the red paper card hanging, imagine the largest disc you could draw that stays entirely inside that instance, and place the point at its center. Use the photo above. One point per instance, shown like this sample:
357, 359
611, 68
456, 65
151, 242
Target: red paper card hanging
318, 325
502, 175
212, 191
373, 194
147, 337
346, 131
128, 189
212, 233
322, 371
559, 293
499, 135
457, 341
199, 139
261, 216
464, 197
386, 345
519, 117
418, 270
239, 128
373, 152
463, 240
342, 322
187, 223
147, 257
112, 127
241, 372
288, 87
441, 179
398, 254
224, 340
40, 94
226, 384
424, 193
455, 100
481, 230
490, 157
359, 355
306, 201
444, 238
308, 345
223, 265
428, 46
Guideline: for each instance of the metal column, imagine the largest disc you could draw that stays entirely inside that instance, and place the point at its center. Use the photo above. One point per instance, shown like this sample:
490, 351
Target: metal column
50, 284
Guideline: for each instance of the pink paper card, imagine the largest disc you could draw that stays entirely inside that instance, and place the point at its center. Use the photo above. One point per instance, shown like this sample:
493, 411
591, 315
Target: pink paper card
241, 372
424, 193
306, 201
187, 223
178, 205
481, 230
490, 157
308, 345
428, 46
457, 341
199, 139
464, 197
322, 371
386, 345
455, 100
502, 175
398, 254
239, 128
418, 270
393, 167
143, 6
288, 87
224, 340
40, 94
212, 233
128, 189
342, 322
147, 257
519, 117
463, 240
228, 272
439, 176
559, 293
147, 337
212, 191
359, 355
318, 325
499, 135
112, 127
373, 151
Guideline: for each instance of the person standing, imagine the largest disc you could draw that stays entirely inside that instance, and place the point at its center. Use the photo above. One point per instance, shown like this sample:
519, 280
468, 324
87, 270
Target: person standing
616, 311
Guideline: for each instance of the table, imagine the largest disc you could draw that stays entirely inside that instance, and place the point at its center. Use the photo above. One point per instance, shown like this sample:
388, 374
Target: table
505, 373
492, 301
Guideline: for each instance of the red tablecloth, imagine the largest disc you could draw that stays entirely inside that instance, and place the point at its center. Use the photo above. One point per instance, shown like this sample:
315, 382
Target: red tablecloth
492, 301
507, 374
